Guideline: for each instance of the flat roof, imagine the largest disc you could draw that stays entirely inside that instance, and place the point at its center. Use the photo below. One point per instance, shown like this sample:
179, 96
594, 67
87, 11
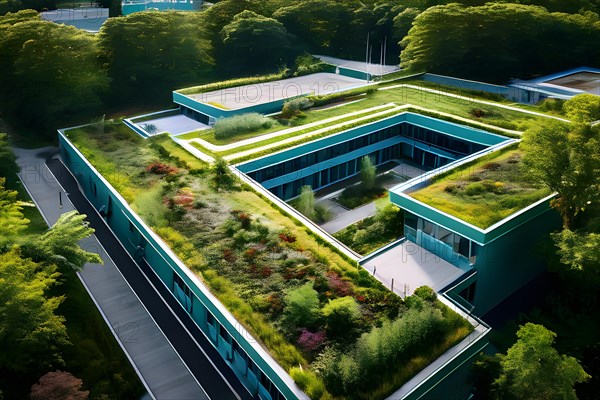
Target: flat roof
239, 97
411, 266
362, 66
587, 81
484, 192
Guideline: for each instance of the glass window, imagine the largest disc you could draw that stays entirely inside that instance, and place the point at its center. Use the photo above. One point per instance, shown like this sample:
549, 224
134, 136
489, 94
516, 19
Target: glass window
410, 220
426, 226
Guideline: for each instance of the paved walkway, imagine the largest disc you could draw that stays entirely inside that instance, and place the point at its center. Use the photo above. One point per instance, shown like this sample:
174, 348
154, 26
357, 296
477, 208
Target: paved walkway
166, 350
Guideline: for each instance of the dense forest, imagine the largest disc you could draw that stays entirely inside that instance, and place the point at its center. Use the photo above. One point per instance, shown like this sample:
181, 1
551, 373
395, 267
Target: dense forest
51, 73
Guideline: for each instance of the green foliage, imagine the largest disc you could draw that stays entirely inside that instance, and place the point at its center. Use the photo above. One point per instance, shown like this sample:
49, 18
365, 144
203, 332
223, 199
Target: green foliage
373, 232
565, 158
32, 51
14, 6
309, 64
578, 250
31, 332
12, 221
293, 108
149, 54
532, 368
257, 42
555, 105
221, 173
209, 87
367, 173
302, 308
322, 25
361, 367
8, 165
583, 108
324, 99
241, 123
60, 244
426, 293
306, 202
342, 316
309, 383
455, 39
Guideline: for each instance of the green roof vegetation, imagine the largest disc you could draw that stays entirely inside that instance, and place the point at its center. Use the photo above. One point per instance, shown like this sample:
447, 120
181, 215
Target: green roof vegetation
254, 258
484, 191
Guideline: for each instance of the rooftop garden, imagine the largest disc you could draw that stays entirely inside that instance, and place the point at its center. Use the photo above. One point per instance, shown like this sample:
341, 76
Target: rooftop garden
484, 191
339, 111
305, 302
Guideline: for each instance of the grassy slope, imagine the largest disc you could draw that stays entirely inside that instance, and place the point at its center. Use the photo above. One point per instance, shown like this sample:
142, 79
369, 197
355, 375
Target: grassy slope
482, 195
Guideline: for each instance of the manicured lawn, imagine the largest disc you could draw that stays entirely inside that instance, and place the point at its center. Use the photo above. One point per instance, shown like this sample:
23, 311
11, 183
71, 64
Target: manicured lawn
249, 253
486, 191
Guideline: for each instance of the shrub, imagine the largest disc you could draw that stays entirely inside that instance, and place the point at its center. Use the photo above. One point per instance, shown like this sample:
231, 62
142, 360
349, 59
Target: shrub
302, 308
311, 342
221, 174
306, 202
321, 100
367, 173
293, 108
426, 293
309, 383
555, 105
478, 112
242, 123
342, 316
161, 169
232, 83
308, 64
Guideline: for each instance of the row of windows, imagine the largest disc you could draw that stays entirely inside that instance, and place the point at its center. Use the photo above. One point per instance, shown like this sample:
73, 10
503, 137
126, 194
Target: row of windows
333, 174
457, 146
442, 141
322, 155
251, 367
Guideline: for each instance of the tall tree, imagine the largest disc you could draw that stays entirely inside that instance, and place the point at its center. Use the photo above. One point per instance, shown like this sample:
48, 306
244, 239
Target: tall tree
31, 332
499, 41
367, 173
257, 42
533, 369
12, 221
323, 25
579, 250
566, 158
59, 245
149, 54
49, 72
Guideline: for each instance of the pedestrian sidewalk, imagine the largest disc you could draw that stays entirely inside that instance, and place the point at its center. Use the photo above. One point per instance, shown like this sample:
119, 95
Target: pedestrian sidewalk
158, 365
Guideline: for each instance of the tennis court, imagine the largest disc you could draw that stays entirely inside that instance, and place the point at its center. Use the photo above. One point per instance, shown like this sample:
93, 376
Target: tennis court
239, 97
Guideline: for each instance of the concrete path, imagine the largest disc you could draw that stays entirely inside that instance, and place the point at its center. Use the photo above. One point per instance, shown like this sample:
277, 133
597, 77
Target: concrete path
164, 348
349, 217
174, 125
